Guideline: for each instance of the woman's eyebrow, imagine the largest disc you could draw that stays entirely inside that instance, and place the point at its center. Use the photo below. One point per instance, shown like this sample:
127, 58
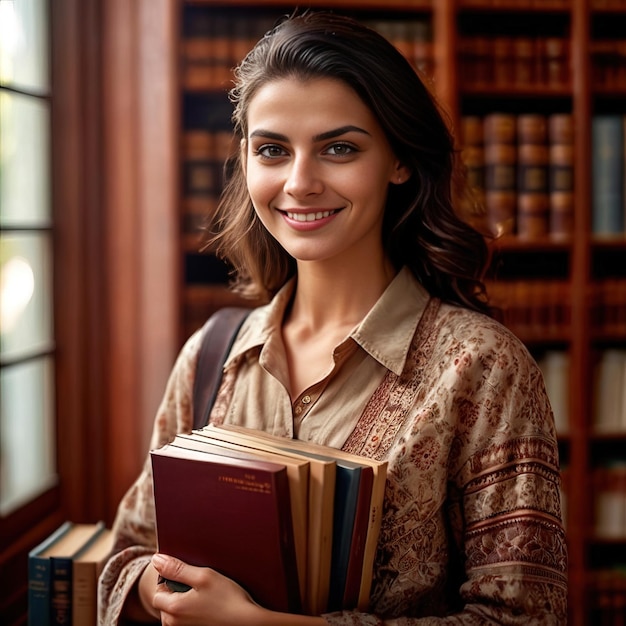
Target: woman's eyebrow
329, 134
337, 132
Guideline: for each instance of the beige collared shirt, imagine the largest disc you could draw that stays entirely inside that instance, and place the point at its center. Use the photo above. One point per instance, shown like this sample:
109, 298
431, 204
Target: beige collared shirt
379, 343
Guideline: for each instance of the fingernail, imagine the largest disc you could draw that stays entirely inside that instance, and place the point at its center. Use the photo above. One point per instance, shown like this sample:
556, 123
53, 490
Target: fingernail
158, 560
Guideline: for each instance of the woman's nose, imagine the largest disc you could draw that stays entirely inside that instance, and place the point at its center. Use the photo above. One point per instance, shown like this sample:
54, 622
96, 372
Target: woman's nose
303, 178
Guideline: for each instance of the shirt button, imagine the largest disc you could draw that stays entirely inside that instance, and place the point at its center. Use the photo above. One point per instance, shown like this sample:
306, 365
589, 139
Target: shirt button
298, 410
306, 400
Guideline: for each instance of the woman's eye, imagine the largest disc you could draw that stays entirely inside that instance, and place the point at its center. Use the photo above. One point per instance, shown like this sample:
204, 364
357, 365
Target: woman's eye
270, 151
340, 149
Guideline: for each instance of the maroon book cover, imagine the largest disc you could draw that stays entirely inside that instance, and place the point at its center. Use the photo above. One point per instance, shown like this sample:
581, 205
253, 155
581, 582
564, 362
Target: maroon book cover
232, 515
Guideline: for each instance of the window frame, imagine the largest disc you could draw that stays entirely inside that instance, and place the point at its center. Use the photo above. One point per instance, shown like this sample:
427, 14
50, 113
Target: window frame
116, 261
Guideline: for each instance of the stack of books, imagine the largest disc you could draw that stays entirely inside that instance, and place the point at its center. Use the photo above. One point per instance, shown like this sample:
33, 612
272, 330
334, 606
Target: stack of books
294, 523
63, 573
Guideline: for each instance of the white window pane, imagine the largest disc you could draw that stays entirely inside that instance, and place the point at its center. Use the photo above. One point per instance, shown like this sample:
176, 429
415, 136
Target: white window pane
24, 161
24, 59
27, 440
25, 294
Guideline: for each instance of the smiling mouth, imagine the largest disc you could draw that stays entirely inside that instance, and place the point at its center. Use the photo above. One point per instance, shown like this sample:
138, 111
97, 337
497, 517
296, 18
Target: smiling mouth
309, 217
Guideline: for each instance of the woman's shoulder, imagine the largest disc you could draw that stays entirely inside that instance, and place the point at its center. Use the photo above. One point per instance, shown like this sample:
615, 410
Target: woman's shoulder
480, 341
475, 327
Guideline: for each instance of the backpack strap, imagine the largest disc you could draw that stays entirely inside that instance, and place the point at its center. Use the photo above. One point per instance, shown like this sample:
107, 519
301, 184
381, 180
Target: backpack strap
218, 334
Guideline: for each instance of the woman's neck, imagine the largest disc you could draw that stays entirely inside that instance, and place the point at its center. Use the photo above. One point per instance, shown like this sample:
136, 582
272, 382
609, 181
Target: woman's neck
338, 296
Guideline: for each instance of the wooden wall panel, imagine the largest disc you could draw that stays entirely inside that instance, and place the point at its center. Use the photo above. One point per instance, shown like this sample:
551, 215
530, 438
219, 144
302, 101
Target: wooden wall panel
141, 227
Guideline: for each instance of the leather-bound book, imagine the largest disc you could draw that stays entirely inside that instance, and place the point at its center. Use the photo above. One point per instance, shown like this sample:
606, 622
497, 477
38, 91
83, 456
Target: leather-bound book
233, 515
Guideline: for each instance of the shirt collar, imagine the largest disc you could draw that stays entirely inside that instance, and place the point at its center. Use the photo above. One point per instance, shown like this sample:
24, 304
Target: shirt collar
385, 332
263, 323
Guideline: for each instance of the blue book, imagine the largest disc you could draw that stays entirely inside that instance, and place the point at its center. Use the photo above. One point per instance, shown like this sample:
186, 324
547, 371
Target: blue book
39, 572
50, 571
607, 157
346, 496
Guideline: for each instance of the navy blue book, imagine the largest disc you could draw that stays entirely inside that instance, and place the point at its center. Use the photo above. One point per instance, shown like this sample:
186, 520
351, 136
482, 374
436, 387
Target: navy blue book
607, 155
346, 497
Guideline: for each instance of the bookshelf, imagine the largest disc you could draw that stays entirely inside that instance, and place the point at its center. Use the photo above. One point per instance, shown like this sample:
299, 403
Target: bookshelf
550, 68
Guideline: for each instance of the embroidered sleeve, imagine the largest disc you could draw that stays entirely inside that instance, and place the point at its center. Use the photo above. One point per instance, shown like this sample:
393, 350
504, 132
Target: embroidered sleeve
134, 526
472, 531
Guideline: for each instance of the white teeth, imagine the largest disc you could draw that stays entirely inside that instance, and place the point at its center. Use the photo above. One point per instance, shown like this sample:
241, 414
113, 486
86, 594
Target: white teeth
309, 217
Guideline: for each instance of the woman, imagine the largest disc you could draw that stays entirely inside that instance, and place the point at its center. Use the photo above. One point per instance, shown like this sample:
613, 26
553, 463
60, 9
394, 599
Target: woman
376, 339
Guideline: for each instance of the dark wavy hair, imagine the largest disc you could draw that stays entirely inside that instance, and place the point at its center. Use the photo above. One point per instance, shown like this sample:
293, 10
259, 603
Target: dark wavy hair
420, 228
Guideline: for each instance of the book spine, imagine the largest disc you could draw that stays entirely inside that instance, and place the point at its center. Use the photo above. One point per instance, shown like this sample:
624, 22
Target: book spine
609, 376
38, 591
554, 365
84, 586
60, 590
39, 572
608, 595
346, 496
471, 196
556, 61
500, 172
607, 154
561, 174
609, 483
524, 63
532, 177
502, 60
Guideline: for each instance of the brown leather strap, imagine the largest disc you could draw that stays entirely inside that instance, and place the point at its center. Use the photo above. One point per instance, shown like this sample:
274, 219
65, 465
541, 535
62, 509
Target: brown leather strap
218, 334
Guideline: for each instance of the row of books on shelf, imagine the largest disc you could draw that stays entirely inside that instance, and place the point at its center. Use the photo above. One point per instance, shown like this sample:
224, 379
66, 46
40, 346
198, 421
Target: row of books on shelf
63, 572
521, 168
607, 596
608, 307
542, 4
609, 395
608, 415
203, 155
412, 37
609, 500
216, 44
609, 392
608, 62
296, 524
505, 62
608, 4
513, 4
608, 209
533, 308
213, 43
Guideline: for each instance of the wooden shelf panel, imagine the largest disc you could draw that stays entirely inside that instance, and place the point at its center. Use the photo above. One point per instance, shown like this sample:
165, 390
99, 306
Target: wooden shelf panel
513, 91
506, 6
370, 5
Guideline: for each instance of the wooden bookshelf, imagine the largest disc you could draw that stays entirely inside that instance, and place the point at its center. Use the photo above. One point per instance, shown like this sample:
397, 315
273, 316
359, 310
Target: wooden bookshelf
564, 295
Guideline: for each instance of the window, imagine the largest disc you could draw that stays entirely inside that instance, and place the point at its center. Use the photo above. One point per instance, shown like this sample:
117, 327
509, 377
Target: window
27, 370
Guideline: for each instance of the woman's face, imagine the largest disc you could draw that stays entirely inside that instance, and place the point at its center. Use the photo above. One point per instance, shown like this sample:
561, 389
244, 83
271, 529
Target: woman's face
318, 165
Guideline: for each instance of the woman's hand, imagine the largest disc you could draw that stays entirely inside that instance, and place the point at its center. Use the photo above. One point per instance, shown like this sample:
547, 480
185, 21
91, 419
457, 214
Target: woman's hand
213, 599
